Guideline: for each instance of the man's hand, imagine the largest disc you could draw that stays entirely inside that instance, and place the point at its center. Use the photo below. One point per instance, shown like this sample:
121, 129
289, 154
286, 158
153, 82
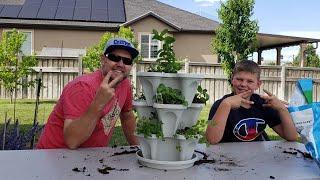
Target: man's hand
106, 90
239, 100
272, 101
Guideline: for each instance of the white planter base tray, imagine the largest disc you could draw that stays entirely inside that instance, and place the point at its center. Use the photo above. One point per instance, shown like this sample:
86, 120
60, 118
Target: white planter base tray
166, 164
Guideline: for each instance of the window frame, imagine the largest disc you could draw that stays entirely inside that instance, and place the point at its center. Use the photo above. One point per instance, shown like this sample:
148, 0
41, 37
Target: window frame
31, 31
149, 44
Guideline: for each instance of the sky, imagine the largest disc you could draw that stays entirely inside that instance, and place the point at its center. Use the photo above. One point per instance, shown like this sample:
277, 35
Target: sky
299, 18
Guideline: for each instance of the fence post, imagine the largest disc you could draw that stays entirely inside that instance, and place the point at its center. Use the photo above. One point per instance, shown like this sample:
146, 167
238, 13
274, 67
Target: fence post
80, 71
283, 90
186, 65
134, 77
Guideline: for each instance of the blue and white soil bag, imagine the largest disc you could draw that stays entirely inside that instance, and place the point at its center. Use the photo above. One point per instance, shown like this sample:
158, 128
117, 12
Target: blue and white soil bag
306, 117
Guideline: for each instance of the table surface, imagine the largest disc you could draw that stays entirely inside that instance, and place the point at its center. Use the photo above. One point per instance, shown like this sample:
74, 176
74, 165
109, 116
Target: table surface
250, 160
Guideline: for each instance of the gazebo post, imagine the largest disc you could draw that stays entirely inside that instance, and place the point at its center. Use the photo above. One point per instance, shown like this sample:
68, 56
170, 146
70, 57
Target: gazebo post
303, 47
259, 56
278, 55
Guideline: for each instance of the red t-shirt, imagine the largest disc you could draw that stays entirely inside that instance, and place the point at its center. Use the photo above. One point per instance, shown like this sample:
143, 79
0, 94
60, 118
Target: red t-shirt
75, 100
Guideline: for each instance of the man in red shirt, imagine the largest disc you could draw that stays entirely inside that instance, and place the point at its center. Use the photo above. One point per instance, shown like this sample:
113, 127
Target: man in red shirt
89, 106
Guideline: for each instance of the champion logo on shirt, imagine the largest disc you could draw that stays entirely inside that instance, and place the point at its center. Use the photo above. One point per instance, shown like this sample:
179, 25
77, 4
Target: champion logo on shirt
250, 125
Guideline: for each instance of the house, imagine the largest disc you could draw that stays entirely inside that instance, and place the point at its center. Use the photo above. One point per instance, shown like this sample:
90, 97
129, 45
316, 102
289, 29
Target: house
74, 25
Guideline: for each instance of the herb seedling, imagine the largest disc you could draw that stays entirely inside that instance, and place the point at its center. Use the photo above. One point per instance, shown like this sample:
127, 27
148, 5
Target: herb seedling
168, 95
195, 131
150, 126
201, 96
166, 62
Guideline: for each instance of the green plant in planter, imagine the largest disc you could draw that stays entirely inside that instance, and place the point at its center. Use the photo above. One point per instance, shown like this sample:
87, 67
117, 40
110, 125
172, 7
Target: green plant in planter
201, 96
168, 95
195, 131
166, 62
139, 96
150, 126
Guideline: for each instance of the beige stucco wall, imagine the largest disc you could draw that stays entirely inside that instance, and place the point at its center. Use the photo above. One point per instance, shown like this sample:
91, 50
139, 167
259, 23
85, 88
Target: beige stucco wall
195, 47
78, 39
147, 24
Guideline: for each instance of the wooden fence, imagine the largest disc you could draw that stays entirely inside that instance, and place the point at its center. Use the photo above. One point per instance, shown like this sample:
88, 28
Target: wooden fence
280, 80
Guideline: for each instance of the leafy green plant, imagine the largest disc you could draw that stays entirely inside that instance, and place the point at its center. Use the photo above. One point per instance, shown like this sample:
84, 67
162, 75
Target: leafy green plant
168, 95
195, 131
201, 96
167, 62
12, 68
236, 37
92, 58
139, 96
150, 126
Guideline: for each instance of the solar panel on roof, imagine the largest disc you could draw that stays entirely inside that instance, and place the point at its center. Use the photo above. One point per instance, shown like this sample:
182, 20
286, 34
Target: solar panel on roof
86, 10
1, 7
64, 13
83, 4
81, 14
99, 4
47, 12
99, 15
50, 3
116, 11
67, 3
32, 2
11, 11
29, 11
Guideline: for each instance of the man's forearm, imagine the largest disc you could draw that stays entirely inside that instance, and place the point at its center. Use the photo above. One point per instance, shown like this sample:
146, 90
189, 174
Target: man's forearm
128, 124
78, 131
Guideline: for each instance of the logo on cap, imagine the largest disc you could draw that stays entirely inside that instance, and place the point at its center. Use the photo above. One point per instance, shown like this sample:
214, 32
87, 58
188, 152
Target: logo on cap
121, 42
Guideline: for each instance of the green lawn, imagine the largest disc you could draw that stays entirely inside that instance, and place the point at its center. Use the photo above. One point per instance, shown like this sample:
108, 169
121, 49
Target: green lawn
25, 114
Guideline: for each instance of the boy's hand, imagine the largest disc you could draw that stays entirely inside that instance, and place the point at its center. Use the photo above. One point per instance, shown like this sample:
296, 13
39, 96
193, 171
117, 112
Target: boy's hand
272, 101
239, 100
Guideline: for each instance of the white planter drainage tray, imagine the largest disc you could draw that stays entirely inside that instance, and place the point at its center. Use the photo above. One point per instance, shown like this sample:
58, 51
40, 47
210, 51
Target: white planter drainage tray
166, 164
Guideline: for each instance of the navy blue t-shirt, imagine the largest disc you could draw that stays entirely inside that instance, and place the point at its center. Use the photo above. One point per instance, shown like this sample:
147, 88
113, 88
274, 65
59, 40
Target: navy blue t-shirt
247, 124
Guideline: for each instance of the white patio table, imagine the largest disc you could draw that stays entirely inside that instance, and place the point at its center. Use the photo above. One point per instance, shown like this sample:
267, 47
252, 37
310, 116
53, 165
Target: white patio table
253, 160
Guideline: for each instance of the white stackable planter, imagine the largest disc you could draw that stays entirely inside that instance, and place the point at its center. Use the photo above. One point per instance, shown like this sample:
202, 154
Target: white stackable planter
169, 115
167, 149
143, 109
190, 116
172, 148
185, 82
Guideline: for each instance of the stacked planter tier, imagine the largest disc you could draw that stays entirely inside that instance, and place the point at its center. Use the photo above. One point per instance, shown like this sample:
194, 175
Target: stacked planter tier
187, 83
173, 116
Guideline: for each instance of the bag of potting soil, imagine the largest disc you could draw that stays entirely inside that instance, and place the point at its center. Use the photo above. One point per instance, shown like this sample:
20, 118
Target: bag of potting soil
306, 117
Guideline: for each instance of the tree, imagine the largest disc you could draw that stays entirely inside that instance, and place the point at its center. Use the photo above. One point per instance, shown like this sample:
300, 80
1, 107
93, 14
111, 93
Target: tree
92, 58
311, 57
12, 68
236, 36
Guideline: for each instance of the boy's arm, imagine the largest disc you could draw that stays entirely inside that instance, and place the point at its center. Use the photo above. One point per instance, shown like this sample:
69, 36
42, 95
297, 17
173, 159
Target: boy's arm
216, 127
286, 129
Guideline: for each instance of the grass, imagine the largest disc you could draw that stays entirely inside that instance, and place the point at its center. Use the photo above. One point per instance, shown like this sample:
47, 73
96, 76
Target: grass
25, 114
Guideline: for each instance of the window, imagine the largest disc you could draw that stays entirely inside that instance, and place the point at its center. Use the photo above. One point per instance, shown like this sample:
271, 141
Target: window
27, 44
149, 46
